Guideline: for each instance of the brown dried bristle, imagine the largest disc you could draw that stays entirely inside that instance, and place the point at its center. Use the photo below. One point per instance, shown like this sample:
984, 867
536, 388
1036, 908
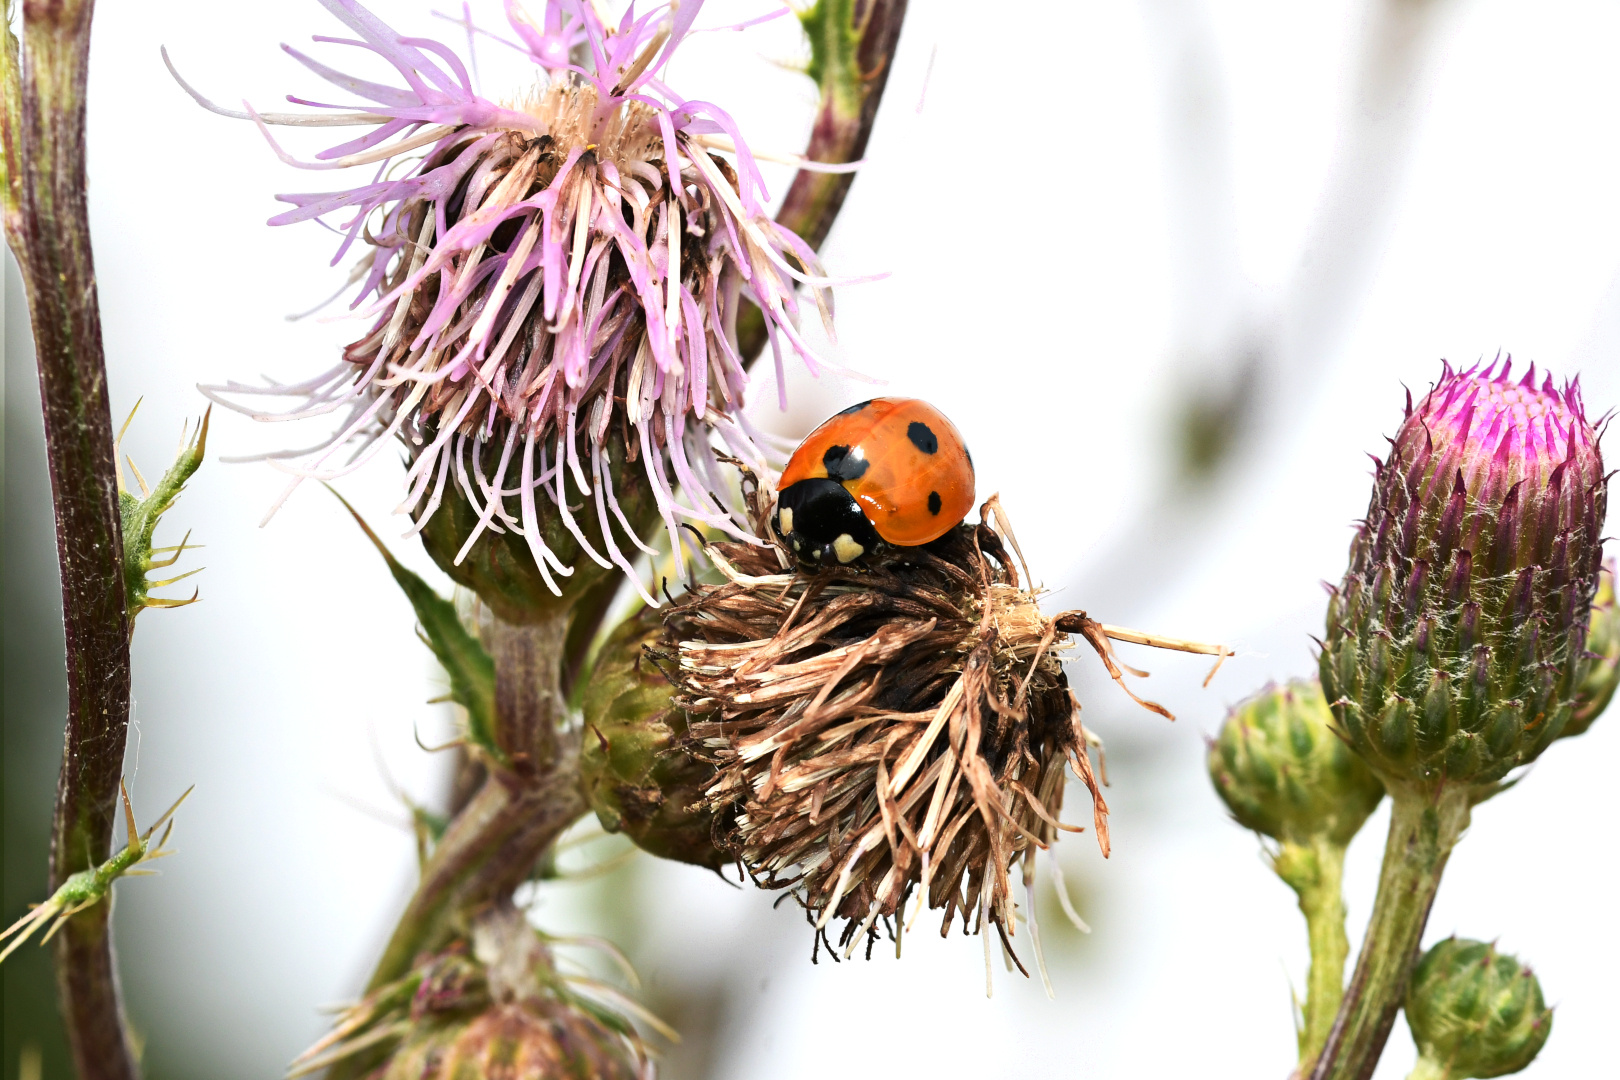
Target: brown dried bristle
878, 729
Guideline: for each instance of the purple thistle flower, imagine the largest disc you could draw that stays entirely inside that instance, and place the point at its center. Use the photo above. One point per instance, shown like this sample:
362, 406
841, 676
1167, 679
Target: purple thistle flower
553, 285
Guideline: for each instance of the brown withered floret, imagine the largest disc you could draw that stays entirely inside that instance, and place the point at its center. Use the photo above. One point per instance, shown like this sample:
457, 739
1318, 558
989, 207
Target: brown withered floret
881, 729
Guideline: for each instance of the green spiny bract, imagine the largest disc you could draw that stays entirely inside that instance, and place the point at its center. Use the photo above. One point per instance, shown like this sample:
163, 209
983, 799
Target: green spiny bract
1475, 1012
140, 520
635, 778
492, 1004
1282, 771
467, 664
1603, 656
1456, 643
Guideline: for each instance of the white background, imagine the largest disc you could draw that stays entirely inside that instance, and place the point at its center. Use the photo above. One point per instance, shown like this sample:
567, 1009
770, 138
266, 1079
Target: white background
1085, 208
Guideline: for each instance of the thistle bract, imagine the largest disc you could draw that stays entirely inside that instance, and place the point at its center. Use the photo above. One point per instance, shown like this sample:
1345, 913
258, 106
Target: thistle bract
1282, 771
1474, 1011
489, 1005
552, 284
633, 772
1603, 656
1456, 643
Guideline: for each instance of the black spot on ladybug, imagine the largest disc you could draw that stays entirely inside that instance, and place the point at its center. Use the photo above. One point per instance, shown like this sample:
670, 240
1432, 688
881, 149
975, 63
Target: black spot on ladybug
841, 465
968, 453
934, 502
922, 437
855, 408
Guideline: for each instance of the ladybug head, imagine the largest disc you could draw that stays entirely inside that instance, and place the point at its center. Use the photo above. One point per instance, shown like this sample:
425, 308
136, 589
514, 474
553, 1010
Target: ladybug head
822, 524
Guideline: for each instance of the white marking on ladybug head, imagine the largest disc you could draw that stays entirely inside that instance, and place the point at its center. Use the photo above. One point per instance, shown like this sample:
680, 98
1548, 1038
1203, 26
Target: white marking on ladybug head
846, 549
784, 519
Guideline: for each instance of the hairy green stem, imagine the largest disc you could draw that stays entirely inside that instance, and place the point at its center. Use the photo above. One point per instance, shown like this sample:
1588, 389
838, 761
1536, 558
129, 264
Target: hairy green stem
1424, 826
852, 44
494, 842
48, 229
1315, 870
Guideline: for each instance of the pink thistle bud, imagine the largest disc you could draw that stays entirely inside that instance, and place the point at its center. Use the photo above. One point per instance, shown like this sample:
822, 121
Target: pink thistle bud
1456, 643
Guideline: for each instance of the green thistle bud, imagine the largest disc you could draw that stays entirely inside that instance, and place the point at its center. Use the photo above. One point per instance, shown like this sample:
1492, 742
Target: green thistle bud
1456, 642
1474, 1012
490, 1007
634, 777
1282, 771
527, 1039
1603, 656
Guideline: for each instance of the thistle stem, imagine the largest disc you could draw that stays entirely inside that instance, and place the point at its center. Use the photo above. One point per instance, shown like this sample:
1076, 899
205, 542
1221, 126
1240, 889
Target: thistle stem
1315, 870
47, 226
852, 44
494, 842
1424, 826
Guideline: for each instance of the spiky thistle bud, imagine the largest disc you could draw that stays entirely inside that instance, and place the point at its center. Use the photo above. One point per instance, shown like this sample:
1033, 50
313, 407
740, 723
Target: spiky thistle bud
1456, 643
1282, 771
491, 1005
1474, 1012
552, 284
634, 774
1603, 653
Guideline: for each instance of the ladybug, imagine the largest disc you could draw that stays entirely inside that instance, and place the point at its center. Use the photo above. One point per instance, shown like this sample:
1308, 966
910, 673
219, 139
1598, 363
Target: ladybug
891, 470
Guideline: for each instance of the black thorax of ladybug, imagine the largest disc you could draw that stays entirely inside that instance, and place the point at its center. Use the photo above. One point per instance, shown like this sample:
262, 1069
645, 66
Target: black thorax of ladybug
819, 519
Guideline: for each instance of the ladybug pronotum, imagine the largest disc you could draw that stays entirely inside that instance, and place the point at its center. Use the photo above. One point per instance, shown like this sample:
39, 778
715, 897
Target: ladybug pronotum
889, 470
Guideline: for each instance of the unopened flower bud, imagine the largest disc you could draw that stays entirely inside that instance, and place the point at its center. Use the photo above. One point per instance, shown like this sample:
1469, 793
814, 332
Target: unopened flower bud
1474, 1012
1603, 656
634, 777
1282, 771
492, 1006
1456, 643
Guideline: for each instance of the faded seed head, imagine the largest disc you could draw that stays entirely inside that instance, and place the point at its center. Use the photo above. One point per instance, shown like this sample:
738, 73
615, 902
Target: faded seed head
878, 732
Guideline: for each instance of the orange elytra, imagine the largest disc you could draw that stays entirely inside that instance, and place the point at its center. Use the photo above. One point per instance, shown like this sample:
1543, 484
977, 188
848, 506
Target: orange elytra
890, 469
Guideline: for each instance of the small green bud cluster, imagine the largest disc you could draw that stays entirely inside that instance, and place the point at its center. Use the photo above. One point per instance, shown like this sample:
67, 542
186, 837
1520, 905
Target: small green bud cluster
1474, 1012
140, 516
1282, 771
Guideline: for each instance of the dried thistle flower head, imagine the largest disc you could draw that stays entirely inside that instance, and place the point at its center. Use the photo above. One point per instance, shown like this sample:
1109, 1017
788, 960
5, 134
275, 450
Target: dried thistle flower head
898, 728
552, 284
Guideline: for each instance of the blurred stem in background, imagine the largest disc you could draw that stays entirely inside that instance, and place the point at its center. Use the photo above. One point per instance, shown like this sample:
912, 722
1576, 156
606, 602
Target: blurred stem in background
47, 228
1248, 372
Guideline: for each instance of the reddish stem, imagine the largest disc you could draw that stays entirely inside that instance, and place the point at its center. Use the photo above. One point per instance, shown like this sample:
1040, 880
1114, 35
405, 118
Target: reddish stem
47, 225
853, 44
